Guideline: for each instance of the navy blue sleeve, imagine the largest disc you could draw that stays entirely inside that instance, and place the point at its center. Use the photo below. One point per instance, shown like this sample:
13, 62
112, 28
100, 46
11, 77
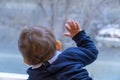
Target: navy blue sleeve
86, 45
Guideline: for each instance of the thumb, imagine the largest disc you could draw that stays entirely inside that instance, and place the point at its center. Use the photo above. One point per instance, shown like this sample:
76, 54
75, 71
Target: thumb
67, 34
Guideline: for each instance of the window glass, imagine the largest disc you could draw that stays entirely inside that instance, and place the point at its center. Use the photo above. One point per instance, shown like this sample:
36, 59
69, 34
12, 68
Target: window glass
93, 16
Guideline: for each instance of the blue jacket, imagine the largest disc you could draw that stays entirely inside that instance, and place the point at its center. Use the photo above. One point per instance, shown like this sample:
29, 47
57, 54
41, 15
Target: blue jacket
70, 63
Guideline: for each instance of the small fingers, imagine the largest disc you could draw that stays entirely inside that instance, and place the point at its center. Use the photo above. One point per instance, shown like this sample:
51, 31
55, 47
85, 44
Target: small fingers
72, 25
67, 34
77, 25
72, 28
68, 27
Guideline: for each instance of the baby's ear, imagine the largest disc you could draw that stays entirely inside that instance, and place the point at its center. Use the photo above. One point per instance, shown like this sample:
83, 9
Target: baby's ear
58, 45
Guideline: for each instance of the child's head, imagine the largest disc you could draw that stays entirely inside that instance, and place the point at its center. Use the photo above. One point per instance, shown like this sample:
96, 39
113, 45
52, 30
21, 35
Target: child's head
37, 44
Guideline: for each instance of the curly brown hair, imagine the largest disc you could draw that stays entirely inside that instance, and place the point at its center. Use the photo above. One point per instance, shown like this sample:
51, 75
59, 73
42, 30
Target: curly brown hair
37, 44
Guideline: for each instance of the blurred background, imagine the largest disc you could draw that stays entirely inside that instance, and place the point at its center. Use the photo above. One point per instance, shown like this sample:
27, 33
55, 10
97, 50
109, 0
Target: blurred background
99, 18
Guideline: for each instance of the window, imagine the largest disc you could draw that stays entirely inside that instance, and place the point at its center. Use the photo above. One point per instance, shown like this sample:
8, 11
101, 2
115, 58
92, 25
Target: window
91, 14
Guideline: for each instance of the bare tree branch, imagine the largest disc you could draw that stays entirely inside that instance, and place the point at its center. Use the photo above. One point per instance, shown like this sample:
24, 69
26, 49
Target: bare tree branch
89, 16
40, 3
65, 20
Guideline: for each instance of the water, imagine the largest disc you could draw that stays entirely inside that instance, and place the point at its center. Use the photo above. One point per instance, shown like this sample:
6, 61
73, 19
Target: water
12, 63
106, 67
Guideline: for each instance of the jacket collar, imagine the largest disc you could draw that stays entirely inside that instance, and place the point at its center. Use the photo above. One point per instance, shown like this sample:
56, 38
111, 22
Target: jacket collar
50, 61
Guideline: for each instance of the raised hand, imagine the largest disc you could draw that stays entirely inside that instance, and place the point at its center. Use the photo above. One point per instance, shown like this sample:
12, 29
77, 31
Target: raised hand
73, 28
